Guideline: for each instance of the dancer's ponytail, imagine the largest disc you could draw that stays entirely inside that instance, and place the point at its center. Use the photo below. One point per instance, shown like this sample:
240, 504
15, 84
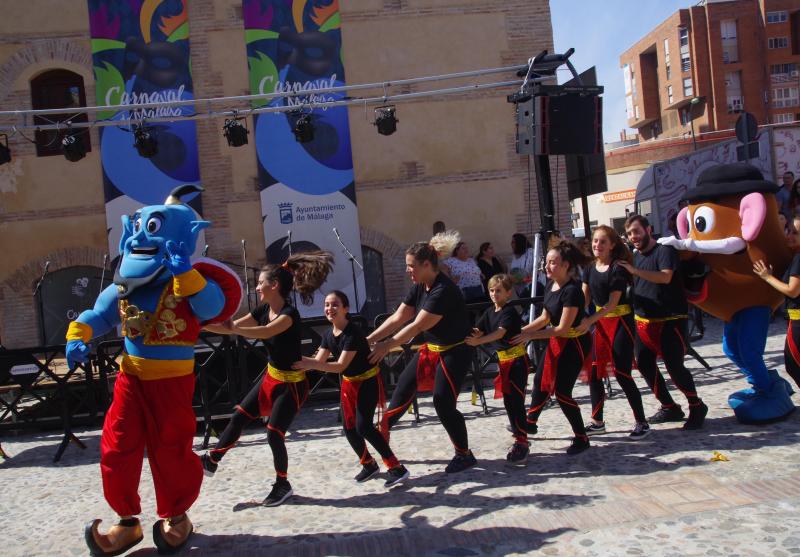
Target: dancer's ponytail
303, 272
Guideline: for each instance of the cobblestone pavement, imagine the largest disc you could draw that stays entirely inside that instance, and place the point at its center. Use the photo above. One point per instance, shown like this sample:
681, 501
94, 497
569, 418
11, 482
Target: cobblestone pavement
659, 496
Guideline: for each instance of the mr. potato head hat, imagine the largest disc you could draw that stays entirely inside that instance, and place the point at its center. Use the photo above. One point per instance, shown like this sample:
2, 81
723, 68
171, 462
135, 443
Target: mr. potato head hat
729, 179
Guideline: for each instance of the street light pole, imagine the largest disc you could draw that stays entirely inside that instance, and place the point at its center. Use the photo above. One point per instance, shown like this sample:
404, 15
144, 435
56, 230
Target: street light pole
692, 104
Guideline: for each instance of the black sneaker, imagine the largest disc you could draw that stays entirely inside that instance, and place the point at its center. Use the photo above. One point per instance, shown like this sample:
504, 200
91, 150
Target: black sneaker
281, 491
367, 472
595, 429
640, 431
697, 415
518, 455
531, 428
667, 414
209, 466
396, 476
461, 462
578, 445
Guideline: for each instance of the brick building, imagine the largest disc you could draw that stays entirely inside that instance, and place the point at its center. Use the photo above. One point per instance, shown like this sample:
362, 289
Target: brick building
452, 159
705, 65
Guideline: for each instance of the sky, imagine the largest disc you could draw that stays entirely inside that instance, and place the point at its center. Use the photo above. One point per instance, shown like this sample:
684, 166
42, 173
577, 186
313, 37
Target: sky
601, 30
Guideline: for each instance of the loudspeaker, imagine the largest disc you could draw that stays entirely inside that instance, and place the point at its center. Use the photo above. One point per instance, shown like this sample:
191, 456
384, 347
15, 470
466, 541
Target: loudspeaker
525, 127
569, 124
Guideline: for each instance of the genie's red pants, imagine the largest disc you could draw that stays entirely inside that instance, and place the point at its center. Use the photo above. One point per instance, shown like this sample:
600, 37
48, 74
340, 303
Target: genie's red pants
158, 415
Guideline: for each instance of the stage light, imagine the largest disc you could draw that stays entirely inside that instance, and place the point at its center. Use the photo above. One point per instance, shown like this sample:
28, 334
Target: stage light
73, 147
145, 141
385, 120
235, 132
5, 152
303, 129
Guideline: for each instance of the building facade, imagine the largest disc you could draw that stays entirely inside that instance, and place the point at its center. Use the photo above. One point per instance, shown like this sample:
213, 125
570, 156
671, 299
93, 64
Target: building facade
703, 66
452, 158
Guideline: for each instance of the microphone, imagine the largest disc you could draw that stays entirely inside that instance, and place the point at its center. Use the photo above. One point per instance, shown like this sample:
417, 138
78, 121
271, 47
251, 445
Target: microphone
337, 234
105, 259
41, 279
205, 250
289, 241
46, 266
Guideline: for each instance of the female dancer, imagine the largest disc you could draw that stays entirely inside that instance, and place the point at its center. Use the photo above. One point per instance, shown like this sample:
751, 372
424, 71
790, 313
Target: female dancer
282, 391
438, 310
605, 284
568, 348
362, 389
790, 289
496, 326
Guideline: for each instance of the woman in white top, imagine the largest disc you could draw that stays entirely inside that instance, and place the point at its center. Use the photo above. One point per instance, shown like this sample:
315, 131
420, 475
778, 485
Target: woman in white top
466, 274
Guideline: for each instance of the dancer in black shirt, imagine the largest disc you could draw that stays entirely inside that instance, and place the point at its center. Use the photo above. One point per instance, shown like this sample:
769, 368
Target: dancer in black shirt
605, 285
496, 326
435, 307
362, 389
568, 349
282, 391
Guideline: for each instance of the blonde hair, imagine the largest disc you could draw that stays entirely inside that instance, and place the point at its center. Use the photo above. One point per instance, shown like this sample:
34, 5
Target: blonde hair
445, 242
503, 280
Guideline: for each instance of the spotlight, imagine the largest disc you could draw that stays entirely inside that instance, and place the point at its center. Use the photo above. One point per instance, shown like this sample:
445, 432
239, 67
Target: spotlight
235, 132
5, 152
145, 141
385, 120
303, 129
73, 147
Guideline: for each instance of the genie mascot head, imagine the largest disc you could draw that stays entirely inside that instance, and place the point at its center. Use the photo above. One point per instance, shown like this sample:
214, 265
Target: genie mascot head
732, 221
143, 245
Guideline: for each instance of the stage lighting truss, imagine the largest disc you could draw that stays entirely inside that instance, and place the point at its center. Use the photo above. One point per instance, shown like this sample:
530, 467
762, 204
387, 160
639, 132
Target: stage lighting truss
235, 132
5, 152
73, 147
144, 140
385, 120
303, 128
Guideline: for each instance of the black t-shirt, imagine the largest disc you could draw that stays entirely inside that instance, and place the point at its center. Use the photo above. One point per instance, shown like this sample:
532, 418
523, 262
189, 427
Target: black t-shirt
601, 285
794, 271
351, 339
658, 300
445, 299
489, 271
508, 318
569, 295
284, 349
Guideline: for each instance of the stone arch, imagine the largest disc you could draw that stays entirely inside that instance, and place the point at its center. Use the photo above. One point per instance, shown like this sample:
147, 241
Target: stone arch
394, 263
19, 321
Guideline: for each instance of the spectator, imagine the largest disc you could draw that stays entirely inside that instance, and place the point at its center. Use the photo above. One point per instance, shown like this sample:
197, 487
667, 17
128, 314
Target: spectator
794, 199
521, 265
438, 227
785, 193
488, 263
444, 243
466, 274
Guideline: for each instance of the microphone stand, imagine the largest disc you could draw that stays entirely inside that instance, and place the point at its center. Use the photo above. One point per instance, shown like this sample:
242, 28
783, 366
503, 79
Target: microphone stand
353, 263
289, 240
246, 277
37, 294
103, 274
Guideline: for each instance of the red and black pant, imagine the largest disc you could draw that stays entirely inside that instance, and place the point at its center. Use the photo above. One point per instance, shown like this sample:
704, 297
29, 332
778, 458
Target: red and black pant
363, 429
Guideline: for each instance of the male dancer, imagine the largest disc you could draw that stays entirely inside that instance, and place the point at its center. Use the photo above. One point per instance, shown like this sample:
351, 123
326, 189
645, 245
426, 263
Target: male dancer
660, 309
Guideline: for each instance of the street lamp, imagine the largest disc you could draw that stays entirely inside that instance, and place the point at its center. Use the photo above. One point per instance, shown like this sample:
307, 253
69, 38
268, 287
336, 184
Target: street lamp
692, 104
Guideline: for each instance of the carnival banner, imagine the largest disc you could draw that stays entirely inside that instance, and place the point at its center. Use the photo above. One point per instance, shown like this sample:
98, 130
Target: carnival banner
307, 189
140, 51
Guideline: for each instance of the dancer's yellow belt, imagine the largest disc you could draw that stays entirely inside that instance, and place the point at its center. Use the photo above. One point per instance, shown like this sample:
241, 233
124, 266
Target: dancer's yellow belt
511, 354
794, 314
619, 311
369, 374
442, 348
286, 376
572, 333
659, 319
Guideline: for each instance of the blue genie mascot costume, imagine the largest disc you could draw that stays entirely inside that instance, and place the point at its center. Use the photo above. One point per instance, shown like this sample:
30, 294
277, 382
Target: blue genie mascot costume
162, 299
732, 222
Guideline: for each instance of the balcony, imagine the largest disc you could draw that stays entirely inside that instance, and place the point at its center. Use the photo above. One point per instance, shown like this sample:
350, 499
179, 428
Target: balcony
778, 78
735, 104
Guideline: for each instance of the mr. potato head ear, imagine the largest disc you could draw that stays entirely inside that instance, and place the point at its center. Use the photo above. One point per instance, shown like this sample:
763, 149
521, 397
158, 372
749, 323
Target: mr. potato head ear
753, 213
683, 223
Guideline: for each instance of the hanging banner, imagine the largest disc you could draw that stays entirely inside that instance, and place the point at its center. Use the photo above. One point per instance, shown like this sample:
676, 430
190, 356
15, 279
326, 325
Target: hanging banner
307, 189
140, 53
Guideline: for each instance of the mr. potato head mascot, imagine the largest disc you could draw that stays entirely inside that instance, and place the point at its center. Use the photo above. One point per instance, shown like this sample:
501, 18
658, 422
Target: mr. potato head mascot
730, 223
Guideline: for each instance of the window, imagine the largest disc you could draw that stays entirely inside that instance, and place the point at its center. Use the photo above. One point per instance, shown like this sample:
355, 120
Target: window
666, 58
655, 128
683, 37
778, 42
730, 44
733, 92
685, 114
636, 111
784, 97
686, 63
777, 17
784, 118
629, 107
782, 73
687, 87
669, 72
670, 98
57, 89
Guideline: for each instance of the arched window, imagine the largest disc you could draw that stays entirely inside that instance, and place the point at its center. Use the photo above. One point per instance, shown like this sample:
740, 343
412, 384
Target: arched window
57, 89
373, 276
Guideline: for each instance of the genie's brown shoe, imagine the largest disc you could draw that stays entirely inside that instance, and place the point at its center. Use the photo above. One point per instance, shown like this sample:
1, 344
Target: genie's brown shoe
171, 535
119, 538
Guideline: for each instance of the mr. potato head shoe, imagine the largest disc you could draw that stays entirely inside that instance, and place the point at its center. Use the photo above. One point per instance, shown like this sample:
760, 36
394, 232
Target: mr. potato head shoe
171, 535
119, 538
